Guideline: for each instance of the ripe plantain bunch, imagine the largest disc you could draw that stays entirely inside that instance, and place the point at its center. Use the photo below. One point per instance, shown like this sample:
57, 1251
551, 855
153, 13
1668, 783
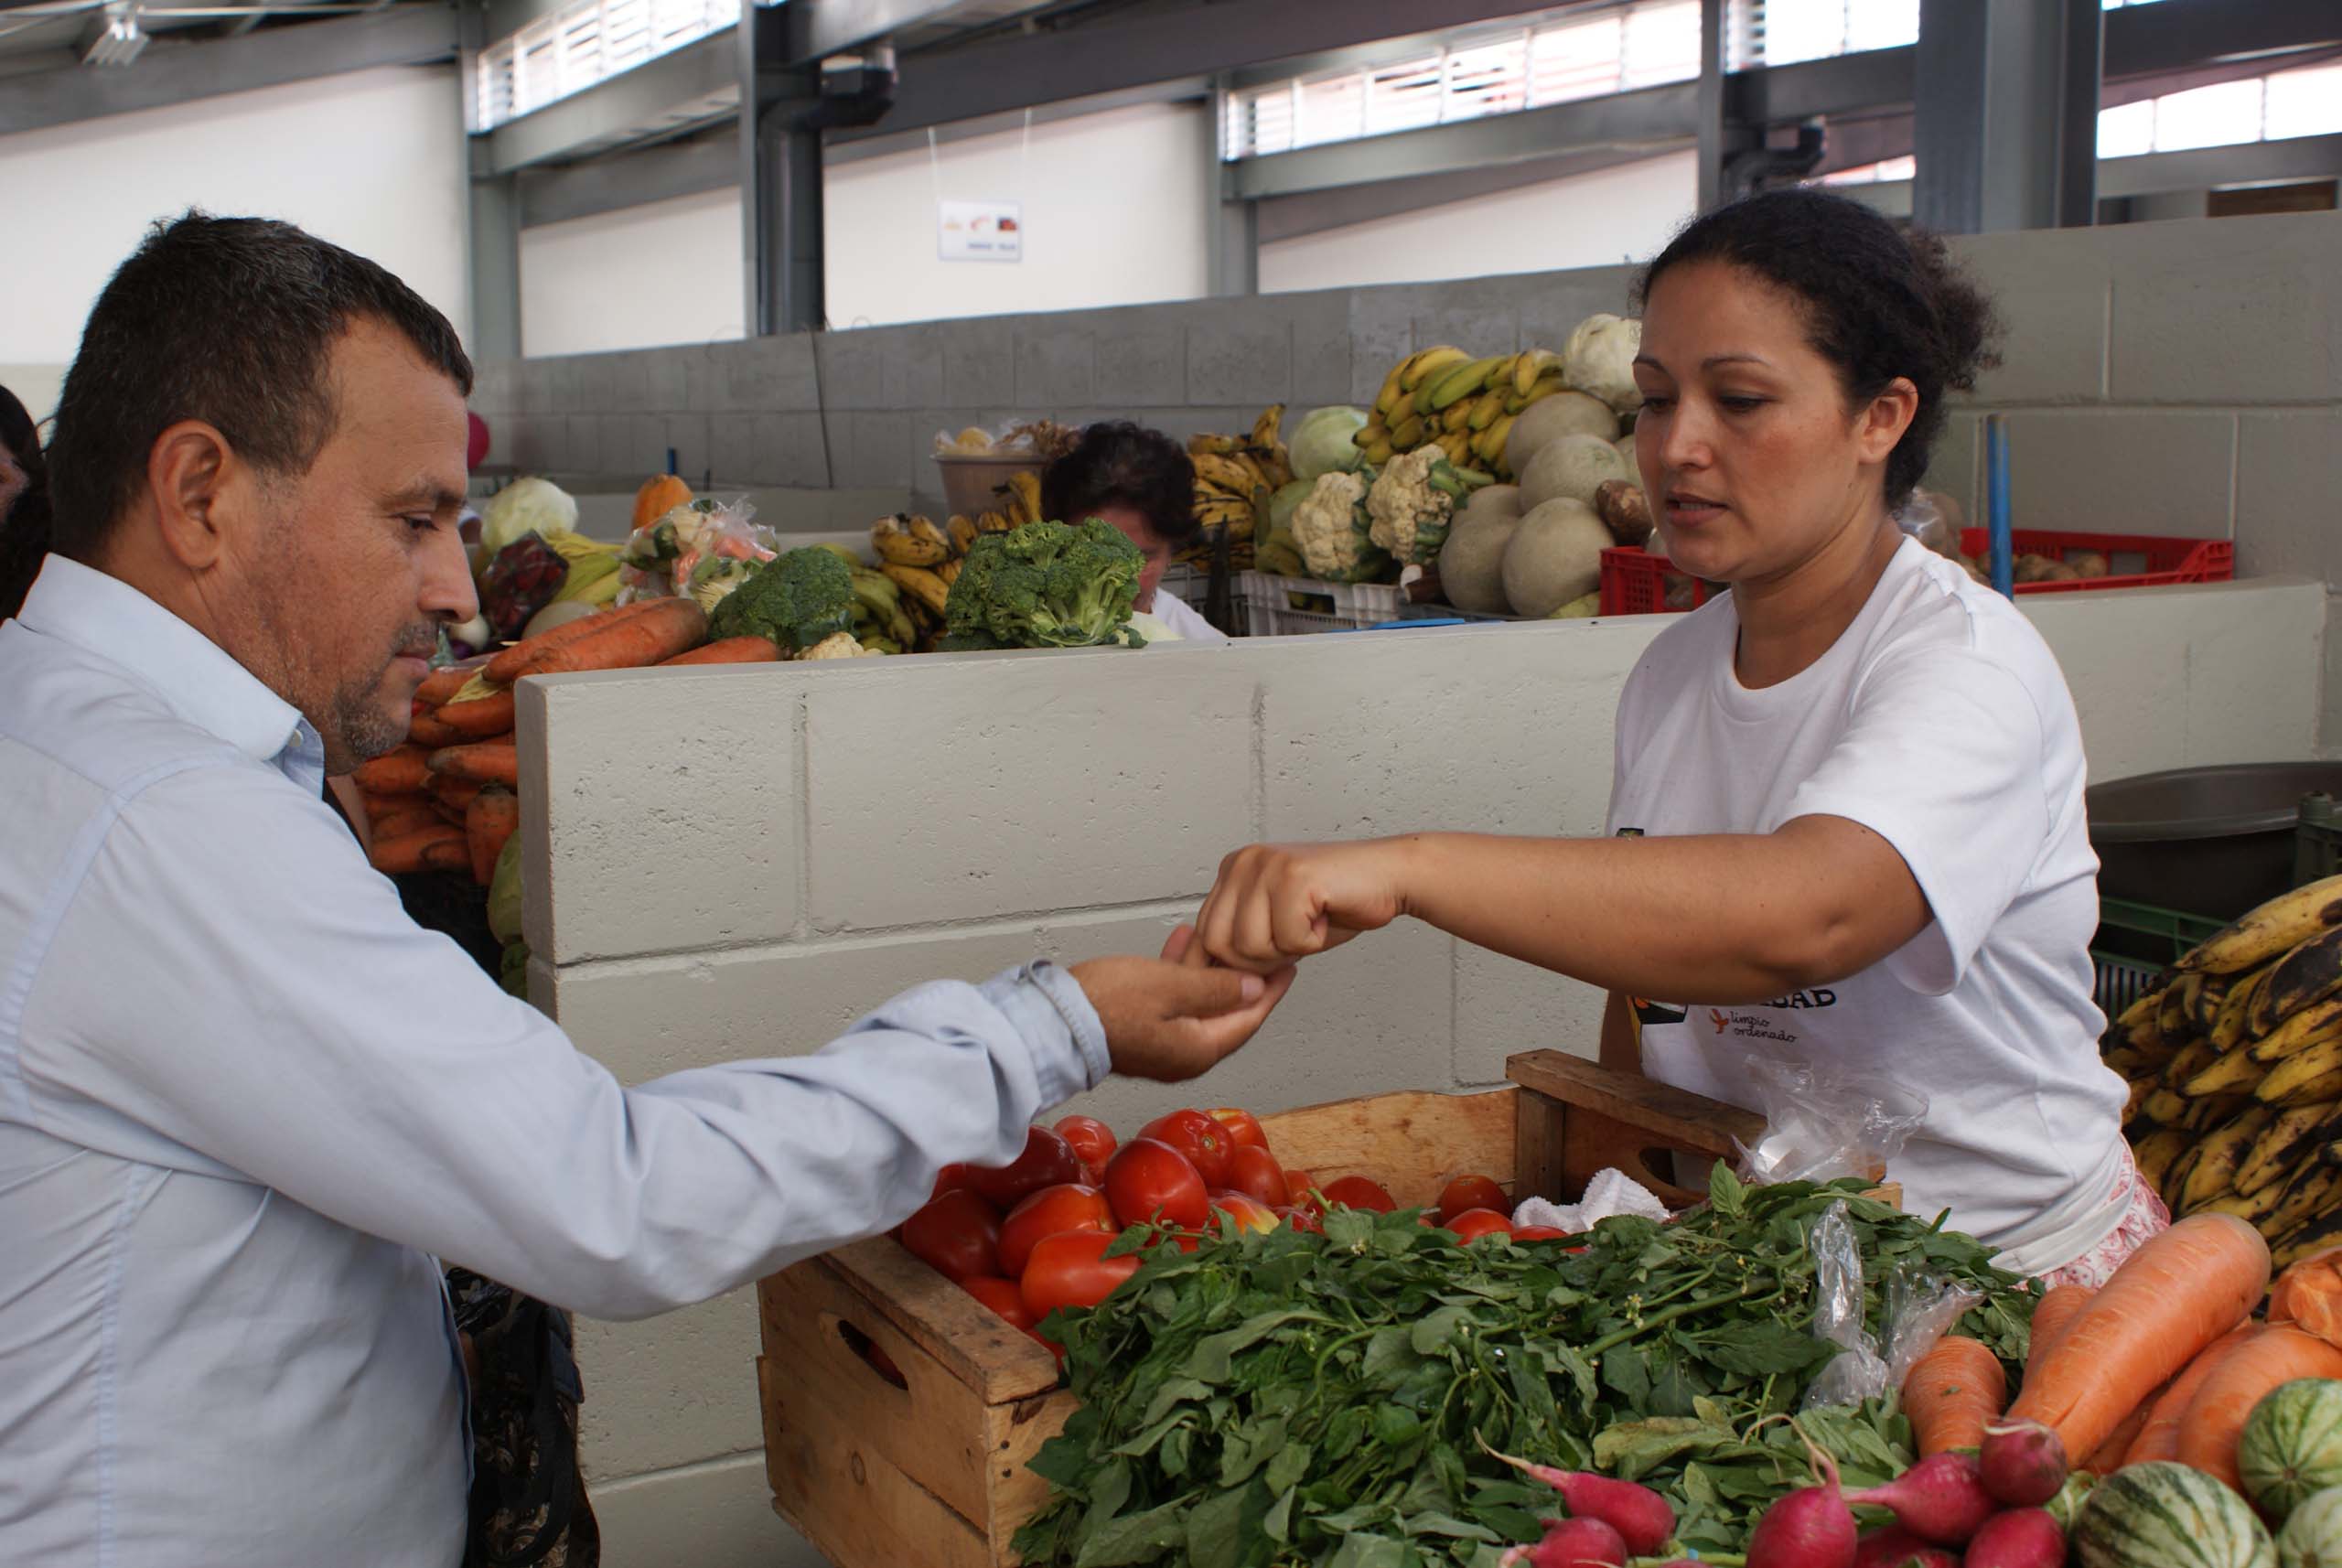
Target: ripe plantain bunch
1235, 477
922, 560
2235, 1068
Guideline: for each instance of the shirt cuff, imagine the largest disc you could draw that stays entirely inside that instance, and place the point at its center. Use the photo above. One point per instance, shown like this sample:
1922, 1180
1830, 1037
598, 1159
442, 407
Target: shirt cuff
1049, 1008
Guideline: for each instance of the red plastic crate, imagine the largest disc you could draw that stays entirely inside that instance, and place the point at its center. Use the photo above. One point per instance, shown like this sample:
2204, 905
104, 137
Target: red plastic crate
1635, 582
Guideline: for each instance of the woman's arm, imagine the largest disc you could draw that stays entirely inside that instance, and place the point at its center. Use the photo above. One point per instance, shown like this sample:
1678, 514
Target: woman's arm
1719, 917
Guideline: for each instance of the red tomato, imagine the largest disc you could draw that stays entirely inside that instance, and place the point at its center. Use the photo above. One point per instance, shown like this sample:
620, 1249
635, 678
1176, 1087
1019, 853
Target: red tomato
951, 1178
1539, 1233
1253, 1172
1091, 1139
1468, 1192
958, 1235
1243, 1127
1150, 1180
1002, 1297
1072, 1207
1360, 1193
1205, 1142
1048, 1161
1475, 1223
1072, 1270
1301, 1218
1248, 1212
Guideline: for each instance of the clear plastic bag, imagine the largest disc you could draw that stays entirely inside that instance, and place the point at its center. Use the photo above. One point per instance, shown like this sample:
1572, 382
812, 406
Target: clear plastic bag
1926, 519
1822, 1124
700, 548
1858, 1373
1920, 1310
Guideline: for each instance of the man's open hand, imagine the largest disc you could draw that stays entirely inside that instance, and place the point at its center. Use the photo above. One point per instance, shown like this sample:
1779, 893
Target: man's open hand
1170, 1021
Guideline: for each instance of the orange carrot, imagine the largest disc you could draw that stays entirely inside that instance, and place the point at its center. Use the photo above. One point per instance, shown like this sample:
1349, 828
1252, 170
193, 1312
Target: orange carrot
2052, 1315
2110, 1455
2177, 1293
2309, 1296
1952, 1393
2159, 1438
447, 790
481, 762
406, 820
428, 731
509, 665
480, 717
381, 805
490, 818
441, 685
644, 633
431, 848
731, 650
2215, 1419
399, 772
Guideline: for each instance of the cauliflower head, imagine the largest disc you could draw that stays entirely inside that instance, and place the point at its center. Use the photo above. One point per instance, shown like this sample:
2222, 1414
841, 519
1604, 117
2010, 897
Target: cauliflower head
839, 645
1330, 528
1412, 504
1599, 358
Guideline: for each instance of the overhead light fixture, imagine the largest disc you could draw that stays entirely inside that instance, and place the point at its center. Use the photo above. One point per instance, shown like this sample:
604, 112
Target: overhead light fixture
122, 42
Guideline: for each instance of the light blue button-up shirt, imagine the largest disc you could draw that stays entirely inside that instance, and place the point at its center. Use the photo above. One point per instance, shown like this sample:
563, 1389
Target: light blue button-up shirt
246, 1105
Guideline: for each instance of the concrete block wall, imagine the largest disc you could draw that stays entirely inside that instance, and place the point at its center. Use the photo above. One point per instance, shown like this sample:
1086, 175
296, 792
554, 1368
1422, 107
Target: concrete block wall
735, 862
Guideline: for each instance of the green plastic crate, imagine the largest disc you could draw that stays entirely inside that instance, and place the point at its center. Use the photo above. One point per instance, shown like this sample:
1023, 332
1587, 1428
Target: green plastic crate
2136, 945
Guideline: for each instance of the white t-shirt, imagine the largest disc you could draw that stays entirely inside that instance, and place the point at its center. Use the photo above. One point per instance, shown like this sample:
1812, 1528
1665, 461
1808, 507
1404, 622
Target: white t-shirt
1939, 720
1185, 623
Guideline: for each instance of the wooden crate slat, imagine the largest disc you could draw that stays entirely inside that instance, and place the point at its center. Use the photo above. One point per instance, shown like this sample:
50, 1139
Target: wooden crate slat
953, 1327
1414, 1142
850, 1499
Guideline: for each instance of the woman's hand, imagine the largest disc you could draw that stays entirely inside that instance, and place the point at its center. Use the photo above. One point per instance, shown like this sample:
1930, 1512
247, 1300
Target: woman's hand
1277, 903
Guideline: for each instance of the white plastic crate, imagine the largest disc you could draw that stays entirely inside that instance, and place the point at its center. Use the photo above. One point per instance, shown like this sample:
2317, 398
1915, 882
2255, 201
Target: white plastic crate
1289, 607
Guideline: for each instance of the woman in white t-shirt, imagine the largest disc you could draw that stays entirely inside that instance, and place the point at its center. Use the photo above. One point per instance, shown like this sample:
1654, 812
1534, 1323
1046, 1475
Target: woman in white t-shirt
1141, 482
1846, 816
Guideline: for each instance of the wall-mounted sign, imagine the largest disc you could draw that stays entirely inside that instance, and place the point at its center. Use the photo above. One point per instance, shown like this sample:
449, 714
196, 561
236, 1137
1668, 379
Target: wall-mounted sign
980, 230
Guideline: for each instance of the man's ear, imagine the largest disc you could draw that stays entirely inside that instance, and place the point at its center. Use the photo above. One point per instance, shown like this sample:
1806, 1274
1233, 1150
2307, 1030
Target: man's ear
188, 473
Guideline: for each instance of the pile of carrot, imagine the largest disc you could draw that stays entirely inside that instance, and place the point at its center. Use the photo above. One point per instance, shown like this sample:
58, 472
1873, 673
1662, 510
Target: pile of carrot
448, 799
2164, 1363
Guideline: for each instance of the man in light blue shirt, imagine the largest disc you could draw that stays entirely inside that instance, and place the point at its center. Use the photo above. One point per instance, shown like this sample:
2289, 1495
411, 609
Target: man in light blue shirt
245, 1105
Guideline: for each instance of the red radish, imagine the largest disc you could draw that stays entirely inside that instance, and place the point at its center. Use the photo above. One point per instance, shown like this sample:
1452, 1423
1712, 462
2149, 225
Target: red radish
1579, 1543
2024, 1462
1643, 1517
1940, 1499
1894, 1547
1810, 1528
2021, 1538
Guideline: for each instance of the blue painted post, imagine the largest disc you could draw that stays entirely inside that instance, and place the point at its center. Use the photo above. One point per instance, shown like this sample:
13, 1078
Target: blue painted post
1996, 466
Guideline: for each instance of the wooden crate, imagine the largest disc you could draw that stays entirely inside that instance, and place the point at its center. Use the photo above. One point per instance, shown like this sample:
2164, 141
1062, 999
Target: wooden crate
929, 1470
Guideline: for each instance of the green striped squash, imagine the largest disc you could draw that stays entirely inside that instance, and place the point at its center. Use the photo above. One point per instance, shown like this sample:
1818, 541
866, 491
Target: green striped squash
2292, 1444
2161, 1515
2313, 1537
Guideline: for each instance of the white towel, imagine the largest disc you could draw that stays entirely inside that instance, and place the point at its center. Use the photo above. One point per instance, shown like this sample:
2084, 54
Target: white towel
1611, 1192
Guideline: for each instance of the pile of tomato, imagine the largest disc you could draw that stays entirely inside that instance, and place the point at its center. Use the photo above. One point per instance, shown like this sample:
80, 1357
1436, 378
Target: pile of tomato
1030, 1237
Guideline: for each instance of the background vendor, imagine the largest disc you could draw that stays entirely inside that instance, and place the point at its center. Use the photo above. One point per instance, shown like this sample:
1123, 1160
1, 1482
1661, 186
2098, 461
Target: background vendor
1141, 482
1848, 795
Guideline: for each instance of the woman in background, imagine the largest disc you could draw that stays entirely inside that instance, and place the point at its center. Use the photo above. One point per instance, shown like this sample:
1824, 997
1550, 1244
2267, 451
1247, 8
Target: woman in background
1139, 480
24, 503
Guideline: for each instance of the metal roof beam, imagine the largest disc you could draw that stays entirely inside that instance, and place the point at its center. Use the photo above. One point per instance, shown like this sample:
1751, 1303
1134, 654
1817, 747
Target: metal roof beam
632, 102
404, 34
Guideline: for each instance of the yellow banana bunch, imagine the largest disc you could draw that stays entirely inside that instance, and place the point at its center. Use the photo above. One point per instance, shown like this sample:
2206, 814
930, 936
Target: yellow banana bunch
904, 540
1025, 493
919, 587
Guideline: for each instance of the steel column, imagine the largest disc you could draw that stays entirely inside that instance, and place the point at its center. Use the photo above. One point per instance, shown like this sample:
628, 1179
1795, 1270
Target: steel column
1710, 112
496, 269
1989, 107
1231, 219
781, 181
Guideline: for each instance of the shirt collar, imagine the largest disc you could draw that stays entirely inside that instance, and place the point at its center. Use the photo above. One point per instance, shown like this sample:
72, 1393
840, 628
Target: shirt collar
196, 678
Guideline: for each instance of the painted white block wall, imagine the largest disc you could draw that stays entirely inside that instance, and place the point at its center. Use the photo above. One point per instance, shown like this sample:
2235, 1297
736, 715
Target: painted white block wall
832, 856
1622, 214
1113, 211
666, 273
374, 160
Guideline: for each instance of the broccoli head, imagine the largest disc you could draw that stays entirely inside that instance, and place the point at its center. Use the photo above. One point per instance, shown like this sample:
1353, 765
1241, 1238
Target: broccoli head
795, 599
1044, 585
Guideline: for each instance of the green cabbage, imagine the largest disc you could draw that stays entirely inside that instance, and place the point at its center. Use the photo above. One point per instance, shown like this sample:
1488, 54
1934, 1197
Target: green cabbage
1321, 442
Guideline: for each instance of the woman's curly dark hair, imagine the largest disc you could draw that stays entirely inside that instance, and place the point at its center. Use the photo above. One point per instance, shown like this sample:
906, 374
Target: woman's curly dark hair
1878, 303
24, 525
1117, 463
